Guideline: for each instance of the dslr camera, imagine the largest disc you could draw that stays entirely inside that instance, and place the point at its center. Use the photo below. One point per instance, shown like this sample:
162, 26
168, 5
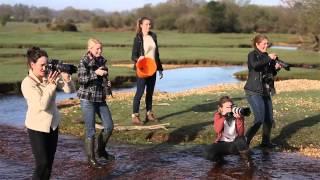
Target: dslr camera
58, 65
285, 65
243, 111
105, 82
267, 78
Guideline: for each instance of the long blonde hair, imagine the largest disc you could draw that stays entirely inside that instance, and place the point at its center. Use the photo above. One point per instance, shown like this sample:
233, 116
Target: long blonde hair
92, 42
139, 22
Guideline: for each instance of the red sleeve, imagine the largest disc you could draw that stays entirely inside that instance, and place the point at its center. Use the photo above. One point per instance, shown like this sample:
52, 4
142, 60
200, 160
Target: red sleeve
240, 126
218, 122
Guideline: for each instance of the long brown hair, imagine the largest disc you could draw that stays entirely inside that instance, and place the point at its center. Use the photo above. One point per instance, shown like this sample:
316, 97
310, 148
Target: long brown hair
257, 39
139, 22
223, 100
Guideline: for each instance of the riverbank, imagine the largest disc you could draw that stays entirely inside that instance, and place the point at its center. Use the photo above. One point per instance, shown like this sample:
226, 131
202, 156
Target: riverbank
190, 113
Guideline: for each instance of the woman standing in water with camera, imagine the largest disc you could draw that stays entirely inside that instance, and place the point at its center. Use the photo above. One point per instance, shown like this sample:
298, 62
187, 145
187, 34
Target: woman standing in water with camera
259, 87
42, 119
145, 45
94, 84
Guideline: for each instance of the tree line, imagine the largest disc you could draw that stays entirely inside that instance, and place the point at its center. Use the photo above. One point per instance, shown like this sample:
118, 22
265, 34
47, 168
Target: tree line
186, 16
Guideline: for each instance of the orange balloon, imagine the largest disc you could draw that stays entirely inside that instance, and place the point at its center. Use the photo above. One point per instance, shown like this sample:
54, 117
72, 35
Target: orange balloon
146, 67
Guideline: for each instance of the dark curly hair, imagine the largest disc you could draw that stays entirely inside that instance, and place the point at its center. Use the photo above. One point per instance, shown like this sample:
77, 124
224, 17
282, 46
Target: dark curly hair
33, 54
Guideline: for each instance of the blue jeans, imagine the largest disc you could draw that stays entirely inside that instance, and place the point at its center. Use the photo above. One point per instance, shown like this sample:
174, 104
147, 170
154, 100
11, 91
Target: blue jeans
143, 83
89, 111
263, 115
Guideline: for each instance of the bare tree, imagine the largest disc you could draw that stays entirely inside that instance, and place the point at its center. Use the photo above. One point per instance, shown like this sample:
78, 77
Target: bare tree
309, 13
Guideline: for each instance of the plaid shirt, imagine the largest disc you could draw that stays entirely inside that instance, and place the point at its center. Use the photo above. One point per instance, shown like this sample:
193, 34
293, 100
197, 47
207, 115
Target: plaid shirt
91, 86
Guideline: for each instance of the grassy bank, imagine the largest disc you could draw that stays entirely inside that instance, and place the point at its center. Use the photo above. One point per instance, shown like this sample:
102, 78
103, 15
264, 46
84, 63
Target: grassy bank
175, 48
296, 111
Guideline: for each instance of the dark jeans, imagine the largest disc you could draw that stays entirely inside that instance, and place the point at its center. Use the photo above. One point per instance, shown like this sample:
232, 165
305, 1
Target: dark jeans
142, 84
43, 148
217, 150
263, 115
89, 111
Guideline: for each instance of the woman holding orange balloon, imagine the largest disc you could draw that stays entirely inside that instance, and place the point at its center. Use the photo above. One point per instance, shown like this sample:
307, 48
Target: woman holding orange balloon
145, 54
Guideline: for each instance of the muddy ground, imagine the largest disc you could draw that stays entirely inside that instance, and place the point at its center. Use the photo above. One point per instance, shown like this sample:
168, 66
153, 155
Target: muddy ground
162, 161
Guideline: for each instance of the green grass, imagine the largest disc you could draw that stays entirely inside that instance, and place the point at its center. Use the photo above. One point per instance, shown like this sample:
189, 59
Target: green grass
175, 48
296, 115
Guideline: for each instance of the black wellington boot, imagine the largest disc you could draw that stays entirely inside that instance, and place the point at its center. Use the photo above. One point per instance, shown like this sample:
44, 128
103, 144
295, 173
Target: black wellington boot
102, 142
252, 132
89, 146
266, 143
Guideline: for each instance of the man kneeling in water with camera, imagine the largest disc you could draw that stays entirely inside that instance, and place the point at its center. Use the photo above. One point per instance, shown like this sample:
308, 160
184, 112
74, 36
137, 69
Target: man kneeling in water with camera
229, 127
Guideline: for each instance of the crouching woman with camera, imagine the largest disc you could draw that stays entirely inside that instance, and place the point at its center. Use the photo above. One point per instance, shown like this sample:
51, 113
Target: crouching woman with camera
42, 119
259, 88
229, 128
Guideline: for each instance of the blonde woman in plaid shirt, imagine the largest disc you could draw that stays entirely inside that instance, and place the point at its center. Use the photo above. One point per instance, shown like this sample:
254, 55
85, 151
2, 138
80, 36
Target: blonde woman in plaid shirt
92, 77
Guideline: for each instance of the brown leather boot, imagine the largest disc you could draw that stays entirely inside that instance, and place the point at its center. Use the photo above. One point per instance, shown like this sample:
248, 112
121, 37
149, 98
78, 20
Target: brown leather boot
136, 119
151, 117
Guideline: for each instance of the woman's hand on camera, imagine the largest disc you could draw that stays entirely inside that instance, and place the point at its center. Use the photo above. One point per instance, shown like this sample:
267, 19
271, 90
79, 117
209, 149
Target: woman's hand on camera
52, 77
101, 72
225, 111
278, 66
272, 56
66, 77
236, 115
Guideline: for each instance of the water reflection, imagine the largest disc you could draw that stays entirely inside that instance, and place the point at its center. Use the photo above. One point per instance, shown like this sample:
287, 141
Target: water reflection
291, 48
187, 78
14, 107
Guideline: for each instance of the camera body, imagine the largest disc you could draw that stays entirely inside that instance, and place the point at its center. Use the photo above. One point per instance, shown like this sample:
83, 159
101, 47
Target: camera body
243, 111
267, 78
285, 65
105, 80
58, 65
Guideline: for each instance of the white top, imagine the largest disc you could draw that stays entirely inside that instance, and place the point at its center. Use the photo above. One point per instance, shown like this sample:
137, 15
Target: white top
149, 46
229, 132
42, 111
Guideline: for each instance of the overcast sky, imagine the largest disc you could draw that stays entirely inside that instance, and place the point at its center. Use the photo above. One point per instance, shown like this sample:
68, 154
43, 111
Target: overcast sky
107, 5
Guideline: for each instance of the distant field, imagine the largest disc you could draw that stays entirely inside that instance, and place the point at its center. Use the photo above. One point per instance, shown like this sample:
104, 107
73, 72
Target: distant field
175, 48
27, 33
